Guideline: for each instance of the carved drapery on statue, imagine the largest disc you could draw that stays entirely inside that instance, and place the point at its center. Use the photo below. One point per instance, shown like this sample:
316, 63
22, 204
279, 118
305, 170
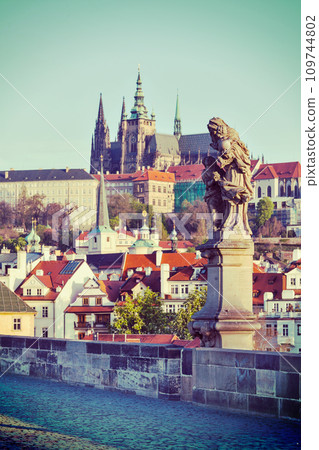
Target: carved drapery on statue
227, 177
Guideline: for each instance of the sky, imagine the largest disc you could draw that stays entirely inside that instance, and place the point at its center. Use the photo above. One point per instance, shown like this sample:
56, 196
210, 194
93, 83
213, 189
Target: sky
238, 60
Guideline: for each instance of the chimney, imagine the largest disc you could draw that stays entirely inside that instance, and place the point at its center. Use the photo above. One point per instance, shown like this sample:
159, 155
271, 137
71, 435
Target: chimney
148, 271
198, 254
130, 272
107, 172
22, 261
164, 277
159, 254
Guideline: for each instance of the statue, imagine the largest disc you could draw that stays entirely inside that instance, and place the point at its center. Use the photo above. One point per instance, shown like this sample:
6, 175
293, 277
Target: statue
227, 178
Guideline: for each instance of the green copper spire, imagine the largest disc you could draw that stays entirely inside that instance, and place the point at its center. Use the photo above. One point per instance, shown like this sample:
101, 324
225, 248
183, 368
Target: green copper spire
139, 110
102, 219
177, 121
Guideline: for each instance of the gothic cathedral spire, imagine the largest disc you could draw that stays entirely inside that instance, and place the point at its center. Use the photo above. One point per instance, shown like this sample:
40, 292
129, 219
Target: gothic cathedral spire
101, 141
177, 121
102, 218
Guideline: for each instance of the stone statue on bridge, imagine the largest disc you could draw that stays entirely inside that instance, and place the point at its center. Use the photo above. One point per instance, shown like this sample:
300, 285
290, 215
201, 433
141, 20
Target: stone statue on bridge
227, 320
227, 178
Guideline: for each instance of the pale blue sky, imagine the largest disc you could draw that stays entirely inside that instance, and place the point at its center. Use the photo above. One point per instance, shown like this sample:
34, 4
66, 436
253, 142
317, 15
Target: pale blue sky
230, 59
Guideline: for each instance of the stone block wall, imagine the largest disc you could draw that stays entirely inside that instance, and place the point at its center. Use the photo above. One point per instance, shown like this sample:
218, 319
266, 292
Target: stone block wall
253, 382
150, 370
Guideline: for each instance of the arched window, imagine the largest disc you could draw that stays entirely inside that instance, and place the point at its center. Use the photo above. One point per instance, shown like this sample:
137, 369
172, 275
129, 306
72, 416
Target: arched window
282, 191
296, 191
259, 192
269, 191
288, 190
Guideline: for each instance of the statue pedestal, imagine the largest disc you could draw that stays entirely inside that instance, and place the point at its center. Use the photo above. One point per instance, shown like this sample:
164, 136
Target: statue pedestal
227, 320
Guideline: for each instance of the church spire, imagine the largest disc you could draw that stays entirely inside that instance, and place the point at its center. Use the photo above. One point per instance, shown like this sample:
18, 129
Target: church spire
102, 218
100, 116
177, 121
139, 110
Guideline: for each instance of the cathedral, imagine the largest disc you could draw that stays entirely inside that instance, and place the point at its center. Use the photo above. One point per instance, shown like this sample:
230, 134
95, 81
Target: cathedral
138, 144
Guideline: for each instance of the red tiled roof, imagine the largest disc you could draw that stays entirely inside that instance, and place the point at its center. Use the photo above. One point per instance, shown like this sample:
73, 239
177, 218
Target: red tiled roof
266, 173
147, 174
88, 309
257, 269
279, 170
83, 236
188, 172
180, 244
187, 344
175, 259
267, 282
51, 276
142, 338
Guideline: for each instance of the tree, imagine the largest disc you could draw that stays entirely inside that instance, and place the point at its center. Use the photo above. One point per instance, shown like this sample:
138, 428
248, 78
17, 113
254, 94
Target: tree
265, 209
272, 228
141, 315
194, 302
28, 208
6, 214
196, 226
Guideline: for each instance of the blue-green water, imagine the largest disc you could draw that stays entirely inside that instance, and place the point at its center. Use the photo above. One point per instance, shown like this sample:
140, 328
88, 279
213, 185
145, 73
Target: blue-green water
134, 422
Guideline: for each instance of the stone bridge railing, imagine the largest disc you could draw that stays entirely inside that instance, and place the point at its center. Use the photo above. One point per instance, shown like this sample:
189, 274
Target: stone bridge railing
252, 382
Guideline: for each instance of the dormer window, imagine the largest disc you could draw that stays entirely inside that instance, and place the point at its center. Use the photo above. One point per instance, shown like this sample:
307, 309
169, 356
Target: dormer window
39, 291
99, 301
28, 291
85, 301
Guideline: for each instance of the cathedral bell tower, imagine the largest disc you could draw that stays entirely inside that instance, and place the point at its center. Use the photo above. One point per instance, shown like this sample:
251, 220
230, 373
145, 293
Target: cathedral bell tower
135, 132
100, 142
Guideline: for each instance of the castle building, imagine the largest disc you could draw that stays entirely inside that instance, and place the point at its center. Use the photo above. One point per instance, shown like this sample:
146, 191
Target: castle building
138, 144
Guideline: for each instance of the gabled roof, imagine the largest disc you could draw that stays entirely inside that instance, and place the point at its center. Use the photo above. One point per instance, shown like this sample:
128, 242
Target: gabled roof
279, 170
257, 269
164, 144
55, 275
10, 302
189, 172
153, 281
266, 173
186, 274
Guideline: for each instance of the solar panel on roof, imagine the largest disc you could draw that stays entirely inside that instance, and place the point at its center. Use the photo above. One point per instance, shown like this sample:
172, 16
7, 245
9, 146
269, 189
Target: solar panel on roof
70, 267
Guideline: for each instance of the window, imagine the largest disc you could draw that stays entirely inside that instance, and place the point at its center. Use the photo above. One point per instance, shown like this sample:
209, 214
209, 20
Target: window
174, 289
44, 311
44, 332
289, 191
275, 205
285, 330
268, 329
282, 191
164, 189
28, 291
184, 289
154, 189
276, 307
99, 301
159, 202
171, 308
275, 330
293, 281
299, 329
283, 205
85, 301
259, 192
17, 324
39, 291
269, 191
154, 202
